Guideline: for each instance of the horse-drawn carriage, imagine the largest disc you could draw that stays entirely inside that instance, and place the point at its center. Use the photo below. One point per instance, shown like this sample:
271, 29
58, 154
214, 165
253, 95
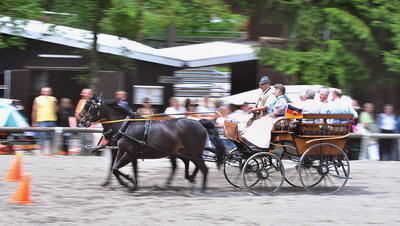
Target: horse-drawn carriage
314, 144
312, 147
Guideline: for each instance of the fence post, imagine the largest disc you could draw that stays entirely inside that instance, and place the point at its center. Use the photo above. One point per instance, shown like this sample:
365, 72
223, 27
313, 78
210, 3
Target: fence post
365, 139
58, 140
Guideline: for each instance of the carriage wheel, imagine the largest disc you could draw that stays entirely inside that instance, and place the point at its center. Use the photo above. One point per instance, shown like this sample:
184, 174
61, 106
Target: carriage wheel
233, 165
291, 163
324, 169
263, 173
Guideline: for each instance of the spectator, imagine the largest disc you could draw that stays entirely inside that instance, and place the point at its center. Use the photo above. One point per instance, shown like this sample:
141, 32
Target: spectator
86, 138
205, 107
367, 124
146, 108
174, 109
386, 122
85, 94
66, 119
366, 118
121, 96
44, 113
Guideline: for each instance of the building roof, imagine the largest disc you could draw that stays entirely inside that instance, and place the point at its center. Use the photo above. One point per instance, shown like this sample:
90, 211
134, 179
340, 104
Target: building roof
197, 55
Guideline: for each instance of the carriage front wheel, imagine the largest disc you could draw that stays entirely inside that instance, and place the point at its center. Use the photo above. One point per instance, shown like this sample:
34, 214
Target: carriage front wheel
233, 165
263, 173
324, 169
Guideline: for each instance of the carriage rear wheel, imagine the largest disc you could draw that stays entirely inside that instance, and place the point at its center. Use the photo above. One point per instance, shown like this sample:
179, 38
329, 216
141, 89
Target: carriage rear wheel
233, 165
263, 173
324, 169
291, 162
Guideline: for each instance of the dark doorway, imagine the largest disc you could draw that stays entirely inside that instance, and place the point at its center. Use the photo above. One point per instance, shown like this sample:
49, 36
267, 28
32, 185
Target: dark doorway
64, 84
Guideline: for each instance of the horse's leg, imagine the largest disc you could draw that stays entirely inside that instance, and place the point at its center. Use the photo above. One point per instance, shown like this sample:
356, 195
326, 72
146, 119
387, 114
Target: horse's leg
200, 164
135, 173
195, 171
120, 162
186, 162
114, 153
171, 176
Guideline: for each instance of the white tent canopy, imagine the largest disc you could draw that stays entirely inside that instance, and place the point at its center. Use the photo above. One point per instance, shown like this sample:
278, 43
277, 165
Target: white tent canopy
198, 55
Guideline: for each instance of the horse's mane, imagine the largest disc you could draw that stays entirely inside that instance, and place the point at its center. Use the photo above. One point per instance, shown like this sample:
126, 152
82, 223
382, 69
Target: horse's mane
124, 110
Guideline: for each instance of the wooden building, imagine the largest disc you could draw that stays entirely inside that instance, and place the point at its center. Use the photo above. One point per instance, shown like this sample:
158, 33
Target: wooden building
55, 56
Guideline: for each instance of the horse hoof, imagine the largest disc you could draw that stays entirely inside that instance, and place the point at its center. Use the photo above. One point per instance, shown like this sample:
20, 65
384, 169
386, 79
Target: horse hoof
191, 180
105, 184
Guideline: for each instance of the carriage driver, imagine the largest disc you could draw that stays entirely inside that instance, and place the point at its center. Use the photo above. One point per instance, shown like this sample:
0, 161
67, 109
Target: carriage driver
258, 127
263, 100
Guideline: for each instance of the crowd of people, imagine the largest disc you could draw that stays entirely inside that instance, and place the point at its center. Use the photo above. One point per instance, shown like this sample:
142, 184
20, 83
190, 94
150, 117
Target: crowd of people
254, 121
48, 112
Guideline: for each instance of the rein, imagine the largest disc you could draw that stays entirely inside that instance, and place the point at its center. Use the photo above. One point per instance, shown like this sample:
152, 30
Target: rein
149, 117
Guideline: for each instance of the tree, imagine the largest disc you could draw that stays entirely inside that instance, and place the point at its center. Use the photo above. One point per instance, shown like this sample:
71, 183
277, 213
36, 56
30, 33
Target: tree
133, 18
346, 43
17, 10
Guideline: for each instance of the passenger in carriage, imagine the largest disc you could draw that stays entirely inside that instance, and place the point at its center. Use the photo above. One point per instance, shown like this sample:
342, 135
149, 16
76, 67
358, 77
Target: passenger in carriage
259, 133
278, 106
310, 105
340, 106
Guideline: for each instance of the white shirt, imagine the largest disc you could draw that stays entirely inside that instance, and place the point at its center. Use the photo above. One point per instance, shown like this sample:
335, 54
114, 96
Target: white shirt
241, 117
172, 110
310, 106
339, 106
386, 122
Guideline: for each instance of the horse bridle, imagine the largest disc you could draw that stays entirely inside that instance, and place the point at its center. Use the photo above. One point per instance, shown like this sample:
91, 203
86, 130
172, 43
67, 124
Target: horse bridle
88, 118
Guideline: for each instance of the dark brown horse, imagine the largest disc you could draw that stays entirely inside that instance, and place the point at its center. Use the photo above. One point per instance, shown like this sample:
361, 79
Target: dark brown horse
174, 138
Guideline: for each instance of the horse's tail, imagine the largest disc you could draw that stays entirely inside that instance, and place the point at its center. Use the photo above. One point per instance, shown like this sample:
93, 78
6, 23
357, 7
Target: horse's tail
217, 142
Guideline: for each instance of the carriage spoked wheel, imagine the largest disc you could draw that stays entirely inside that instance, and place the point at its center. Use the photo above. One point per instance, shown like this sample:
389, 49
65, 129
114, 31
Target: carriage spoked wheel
263, 173
233, 165
324, 169
291, 162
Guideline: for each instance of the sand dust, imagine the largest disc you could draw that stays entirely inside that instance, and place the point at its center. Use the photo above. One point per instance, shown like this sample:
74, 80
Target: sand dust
66, 191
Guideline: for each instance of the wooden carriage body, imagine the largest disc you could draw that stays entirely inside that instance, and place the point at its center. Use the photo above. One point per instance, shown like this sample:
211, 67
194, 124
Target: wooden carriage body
306, 132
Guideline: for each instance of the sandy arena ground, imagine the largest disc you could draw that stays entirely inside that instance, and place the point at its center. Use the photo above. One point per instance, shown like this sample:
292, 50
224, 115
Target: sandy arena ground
66, 191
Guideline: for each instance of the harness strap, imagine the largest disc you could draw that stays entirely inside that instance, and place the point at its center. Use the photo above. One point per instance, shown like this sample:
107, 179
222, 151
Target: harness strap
123, 128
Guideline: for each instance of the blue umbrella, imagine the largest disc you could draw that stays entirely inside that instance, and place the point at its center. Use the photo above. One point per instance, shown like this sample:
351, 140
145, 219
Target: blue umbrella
10, 117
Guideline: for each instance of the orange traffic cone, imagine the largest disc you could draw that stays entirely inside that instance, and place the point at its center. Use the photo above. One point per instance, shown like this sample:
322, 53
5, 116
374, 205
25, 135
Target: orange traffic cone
23, 193
15, 172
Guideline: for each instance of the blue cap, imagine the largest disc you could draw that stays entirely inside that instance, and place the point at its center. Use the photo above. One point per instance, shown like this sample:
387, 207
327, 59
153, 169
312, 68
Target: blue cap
264, 80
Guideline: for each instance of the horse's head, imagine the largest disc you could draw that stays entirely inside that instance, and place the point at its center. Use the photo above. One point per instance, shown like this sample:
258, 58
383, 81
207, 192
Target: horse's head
93, 111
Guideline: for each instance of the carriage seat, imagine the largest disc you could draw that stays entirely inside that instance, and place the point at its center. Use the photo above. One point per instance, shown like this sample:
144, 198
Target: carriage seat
323, 128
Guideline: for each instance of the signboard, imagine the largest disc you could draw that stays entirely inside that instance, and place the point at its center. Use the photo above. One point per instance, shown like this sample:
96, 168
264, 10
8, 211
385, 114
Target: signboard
168, 79
154, 93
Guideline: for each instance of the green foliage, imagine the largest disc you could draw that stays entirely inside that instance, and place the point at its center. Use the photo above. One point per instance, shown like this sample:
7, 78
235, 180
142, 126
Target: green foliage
331, 41
17, 10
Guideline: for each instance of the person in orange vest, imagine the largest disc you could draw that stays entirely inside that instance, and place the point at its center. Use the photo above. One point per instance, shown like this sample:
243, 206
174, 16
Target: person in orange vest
85, 94
86, 138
